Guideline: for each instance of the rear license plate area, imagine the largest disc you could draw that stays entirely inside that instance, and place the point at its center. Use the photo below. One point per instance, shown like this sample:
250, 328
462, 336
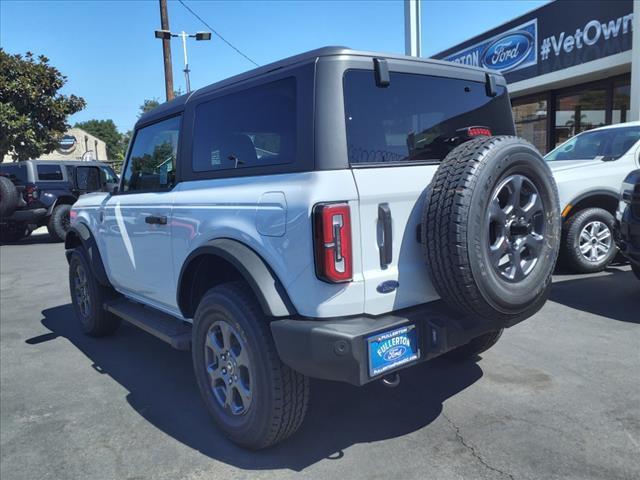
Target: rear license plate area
392, 348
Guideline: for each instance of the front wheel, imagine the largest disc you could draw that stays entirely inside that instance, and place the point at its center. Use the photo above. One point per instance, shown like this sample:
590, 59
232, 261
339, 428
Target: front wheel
88, 297
588, 244
253, 397
59, 222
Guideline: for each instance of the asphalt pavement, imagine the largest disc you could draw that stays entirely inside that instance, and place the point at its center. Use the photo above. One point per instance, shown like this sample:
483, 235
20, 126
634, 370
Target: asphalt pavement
557, 398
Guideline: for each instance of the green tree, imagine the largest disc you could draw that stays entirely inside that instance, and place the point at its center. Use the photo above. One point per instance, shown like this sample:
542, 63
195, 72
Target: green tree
150, 103
107, 131
33, 114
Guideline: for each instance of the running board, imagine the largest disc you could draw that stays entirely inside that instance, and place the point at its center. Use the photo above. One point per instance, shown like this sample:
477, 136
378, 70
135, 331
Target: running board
161, 325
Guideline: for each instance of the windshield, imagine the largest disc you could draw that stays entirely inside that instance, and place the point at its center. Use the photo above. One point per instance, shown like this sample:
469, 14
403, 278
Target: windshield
608, 144
417, 117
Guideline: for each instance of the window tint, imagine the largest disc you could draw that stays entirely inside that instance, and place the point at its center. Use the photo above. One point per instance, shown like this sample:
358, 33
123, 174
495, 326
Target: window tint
17, 172
152, 161
608, 144
49, 172
252, 128
417, 117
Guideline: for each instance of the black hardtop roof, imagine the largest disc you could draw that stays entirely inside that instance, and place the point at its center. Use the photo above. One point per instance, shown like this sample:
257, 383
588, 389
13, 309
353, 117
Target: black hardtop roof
177, 104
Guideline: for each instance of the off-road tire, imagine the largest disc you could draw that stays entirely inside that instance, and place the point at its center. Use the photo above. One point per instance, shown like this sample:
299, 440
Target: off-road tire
95, 320
455, 229
9, 197
59, 222
475, 347
570, 251
279, 394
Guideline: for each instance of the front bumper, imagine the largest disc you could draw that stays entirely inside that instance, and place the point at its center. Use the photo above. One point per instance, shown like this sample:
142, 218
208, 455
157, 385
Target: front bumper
336, 349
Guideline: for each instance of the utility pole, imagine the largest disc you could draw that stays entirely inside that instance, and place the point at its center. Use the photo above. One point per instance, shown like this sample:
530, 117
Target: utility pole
166, 51
412, 33
166, 35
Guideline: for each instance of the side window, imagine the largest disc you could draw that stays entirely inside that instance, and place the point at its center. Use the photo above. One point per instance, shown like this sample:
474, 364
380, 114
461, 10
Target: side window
252, 128
152, 161
49, 172
110, 175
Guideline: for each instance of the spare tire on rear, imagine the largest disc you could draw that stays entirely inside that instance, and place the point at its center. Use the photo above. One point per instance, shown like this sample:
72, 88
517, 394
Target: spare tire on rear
9, 197
491, 228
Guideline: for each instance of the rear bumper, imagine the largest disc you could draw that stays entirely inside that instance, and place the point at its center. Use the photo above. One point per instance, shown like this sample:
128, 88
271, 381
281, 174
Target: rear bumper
336, 349
26, 216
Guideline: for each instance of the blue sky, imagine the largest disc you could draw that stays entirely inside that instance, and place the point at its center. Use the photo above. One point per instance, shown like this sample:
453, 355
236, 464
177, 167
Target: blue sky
111, 58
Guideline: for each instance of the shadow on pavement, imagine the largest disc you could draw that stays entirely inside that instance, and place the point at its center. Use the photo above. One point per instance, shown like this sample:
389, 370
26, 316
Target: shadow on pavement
34, 239
163, 390
615, 296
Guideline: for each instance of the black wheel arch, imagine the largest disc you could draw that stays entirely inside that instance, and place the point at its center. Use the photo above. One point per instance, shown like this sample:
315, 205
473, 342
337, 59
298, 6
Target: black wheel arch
231, 260
601, 198
79, 235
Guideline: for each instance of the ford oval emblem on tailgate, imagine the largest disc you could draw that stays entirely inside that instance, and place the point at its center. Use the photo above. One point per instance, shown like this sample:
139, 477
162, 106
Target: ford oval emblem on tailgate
508, 51
388, 286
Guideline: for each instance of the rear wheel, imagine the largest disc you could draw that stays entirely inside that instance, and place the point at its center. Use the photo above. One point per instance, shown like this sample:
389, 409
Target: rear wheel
476, 346
587, 244
491, 229
88, 297
9, 197
253, 397
59, 222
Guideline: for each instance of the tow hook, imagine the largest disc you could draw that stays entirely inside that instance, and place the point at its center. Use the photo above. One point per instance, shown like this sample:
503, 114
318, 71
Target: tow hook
391, 381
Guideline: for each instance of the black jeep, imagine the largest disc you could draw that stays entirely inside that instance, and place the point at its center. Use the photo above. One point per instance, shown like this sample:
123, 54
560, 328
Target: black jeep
35, 193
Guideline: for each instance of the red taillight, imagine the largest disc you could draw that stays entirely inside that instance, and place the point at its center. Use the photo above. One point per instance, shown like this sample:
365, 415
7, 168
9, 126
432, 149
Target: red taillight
332, 242
478, 132
30, 193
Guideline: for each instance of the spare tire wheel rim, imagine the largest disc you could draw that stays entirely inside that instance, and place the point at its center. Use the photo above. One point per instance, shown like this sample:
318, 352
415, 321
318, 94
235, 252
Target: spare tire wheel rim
595, 241
516, 218
229, 368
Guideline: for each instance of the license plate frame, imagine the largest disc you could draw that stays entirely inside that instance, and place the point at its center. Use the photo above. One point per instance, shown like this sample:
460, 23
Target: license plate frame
392, 349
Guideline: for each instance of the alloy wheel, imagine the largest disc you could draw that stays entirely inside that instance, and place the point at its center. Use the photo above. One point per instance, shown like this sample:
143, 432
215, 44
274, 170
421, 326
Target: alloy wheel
595, 241
82, 294
516, 228
229, 368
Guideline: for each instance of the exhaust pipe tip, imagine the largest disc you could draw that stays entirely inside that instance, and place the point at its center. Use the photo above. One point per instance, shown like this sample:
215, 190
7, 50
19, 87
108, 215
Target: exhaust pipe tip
391, 381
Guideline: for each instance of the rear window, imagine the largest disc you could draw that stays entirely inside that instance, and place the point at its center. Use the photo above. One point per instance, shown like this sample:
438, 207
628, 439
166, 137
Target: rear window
16, 172
49, 172
417, 117
252, 128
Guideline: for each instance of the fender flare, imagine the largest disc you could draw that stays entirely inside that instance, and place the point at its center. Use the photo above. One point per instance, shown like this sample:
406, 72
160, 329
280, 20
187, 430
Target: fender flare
80, 235
266, 286
592, 193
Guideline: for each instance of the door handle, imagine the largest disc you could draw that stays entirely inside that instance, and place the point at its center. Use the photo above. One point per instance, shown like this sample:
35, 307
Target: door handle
385, 243
156, 220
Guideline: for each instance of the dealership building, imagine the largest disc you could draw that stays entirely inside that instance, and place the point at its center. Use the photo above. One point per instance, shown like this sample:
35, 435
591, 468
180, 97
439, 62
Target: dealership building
570, 66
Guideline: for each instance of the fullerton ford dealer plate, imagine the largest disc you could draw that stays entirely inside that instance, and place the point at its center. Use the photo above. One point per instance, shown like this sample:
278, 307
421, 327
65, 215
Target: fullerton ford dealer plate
388, 350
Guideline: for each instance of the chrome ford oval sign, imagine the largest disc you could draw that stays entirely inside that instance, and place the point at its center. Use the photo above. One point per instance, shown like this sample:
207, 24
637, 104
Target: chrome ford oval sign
508, 51
394, 352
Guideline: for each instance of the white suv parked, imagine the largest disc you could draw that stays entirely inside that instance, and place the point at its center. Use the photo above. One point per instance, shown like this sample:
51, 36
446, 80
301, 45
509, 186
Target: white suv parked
589, 169
339, 215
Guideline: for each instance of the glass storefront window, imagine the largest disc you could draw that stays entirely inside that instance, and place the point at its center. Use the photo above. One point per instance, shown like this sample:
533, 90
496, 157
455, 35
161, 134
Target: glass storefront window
578, 112
530, 117
621, 100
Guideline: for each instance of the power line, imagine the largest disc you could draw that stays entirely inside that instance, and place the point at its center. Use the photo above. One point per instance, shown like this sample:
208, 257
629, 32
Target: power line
217, 34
